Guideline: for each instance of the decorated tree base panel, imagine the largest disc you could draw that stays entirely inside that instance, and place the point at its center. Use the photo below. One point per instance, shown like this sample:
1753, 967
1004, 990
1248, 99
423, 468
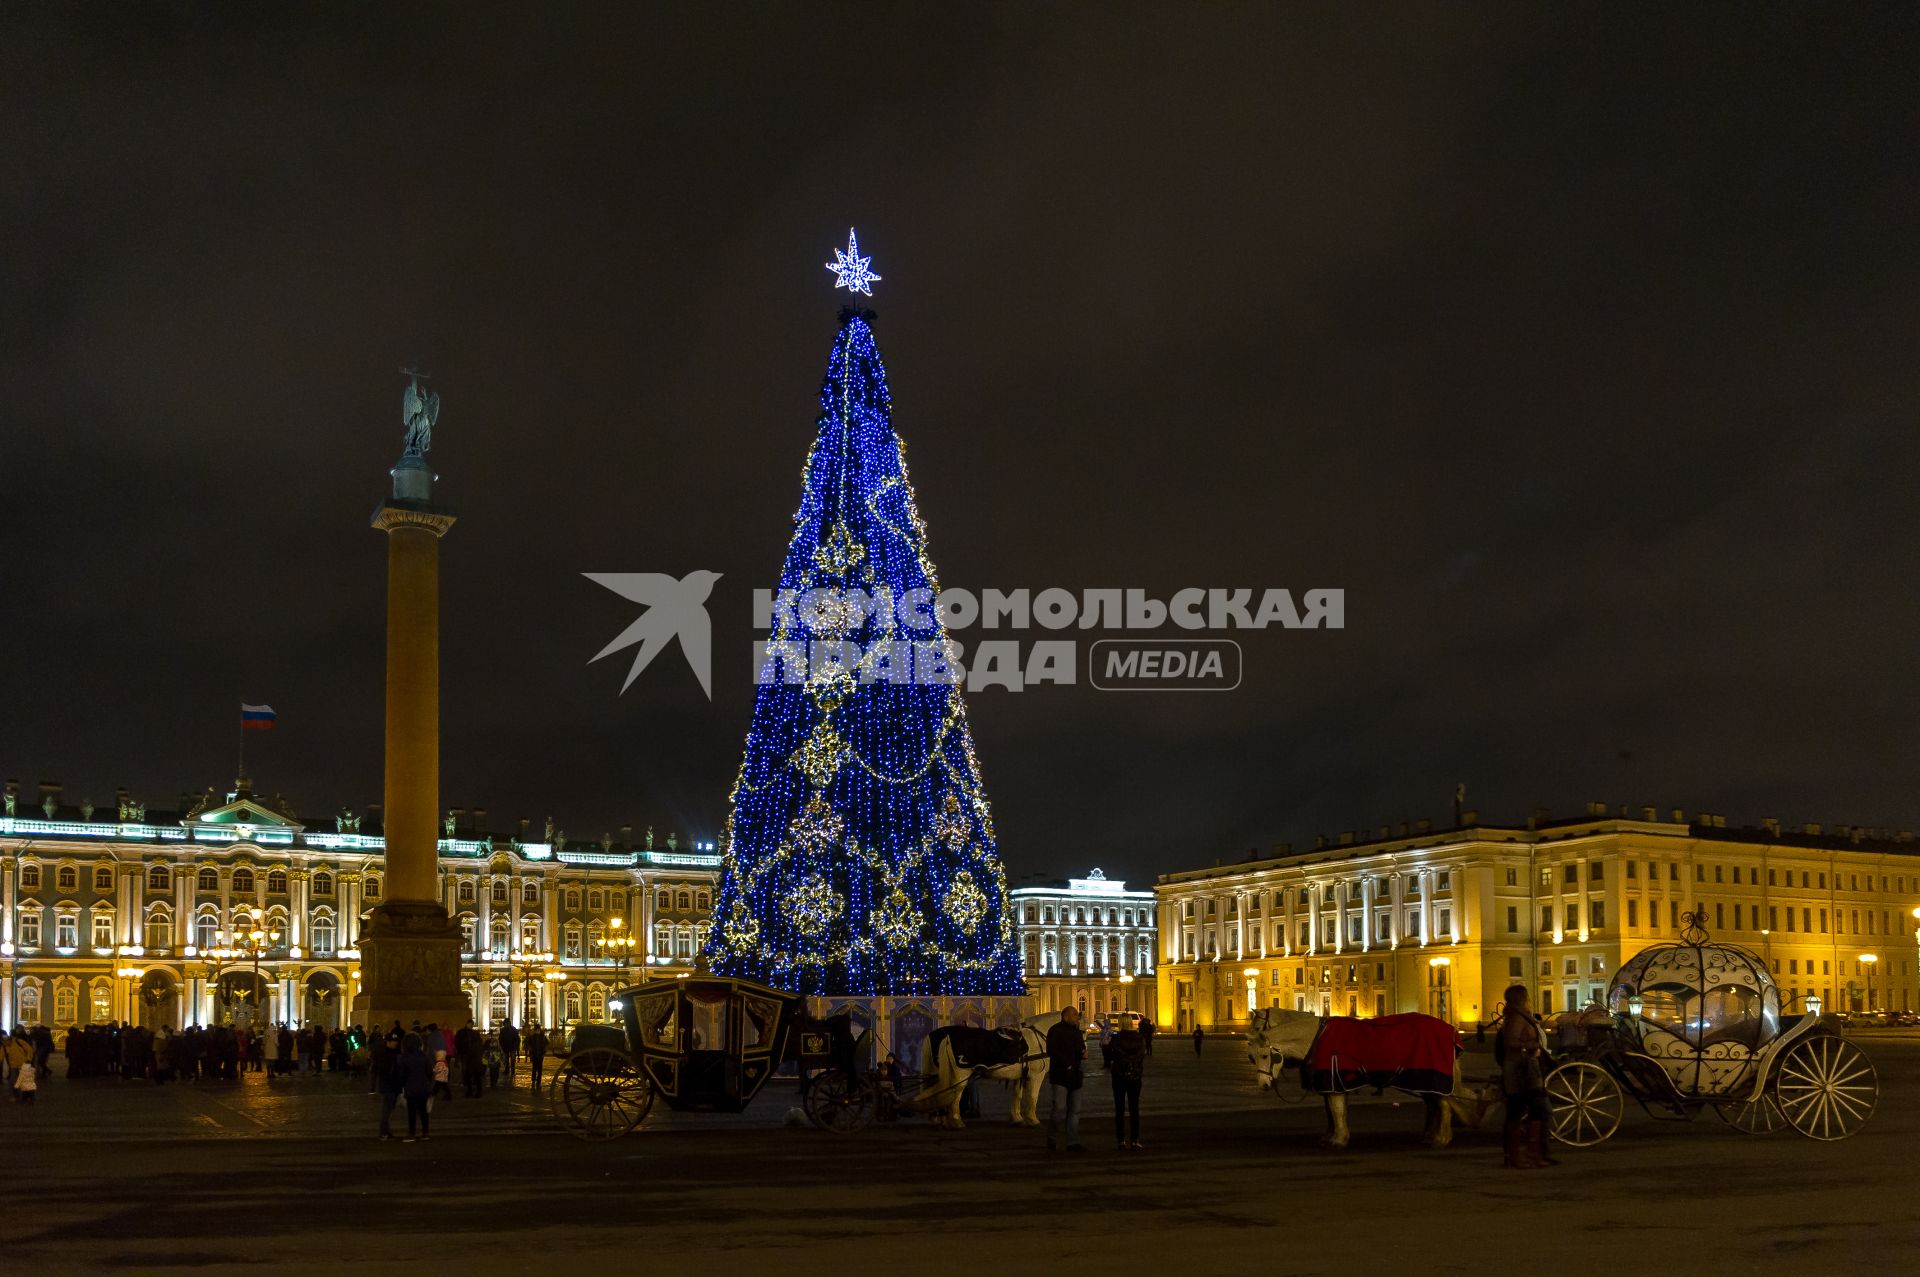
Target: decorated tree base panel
900, 1025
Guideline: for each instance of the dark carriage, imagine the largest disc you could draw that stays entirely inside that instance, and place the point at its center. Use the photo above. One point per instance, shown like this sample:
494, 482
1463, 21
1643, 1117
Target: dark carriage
1693, 1026
708, 1044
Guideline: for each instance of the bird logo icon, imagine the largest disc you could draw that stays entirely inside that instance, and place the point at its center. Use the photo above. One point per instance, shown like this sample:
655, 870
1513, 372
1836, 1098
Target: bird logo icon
675, 609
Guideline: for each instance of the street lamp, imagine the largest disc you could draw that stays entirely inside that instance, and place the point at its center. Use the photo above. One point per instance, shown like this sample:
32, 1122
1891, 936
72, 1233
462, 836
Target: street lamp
617, 946
1867, 961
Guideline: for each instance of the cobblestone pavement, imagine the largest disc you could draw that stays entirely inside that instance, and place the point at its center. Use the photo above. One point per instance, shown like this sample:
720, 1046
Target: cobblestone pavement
110, 1176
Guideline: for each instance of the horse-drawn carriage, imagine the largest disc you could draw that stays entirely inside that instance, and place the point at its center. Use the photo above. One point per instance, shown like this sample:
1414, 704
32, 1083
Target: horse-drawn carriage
1692, 1025
707, 1043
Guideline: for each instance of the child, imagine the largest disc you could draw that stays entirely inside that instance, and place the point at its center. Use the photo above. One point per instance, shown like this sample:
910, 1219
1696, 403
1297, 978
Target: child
491, 1050
889, 1076
27, 1083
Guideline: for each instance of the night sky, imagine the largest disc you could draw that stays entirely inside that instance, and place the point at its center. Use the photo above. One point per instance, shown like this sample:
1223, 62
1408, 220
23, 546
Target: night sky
1576, 343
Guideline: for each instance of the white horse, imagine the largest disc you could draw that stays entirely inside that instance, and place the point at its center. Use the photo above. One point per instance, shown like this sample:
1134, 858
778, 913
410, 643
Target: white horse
1275, 1037
957, 1054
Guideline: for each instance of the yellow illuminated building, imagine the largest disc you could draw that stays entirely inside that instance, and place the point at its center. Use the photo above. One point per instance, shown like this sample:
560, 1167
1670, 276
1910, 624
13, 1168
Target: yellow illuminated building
1445, 921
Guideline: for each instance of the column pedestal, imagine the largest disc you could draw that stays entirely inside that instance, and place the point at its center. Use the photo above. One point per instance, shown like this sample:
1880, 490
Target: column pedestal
410, 967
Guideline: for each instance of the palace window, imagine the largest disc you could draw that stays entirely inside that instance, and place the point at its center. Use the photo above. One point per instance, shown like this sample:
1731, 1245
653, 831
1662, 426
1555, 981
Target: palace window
66, 1004
686, 900
102, 929
572, 900
66, 930
497, 893
243, 882
663, 940
371, 890
208, 879
1445, 923
30, 928
30, 877
529, 893
665, 902
571, 945
572, 1002
1633, 913
322, 883
323, 933
66, 878
159, 929
1513, 919
597, 1003
159, 878
701, 901
1572, 873
276, 882
1599, 911
468, 923
103, 878
499, 931
596, 900
466, 891
1513, 877
1516, 968
529, 933
206, 929
1033, 914
30, 1002
497, 1004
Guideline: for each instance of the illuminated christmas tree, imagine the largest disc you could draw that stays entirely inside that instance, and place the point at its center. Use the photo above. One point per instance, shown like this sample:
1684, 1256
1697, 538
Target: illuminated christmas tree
860, 853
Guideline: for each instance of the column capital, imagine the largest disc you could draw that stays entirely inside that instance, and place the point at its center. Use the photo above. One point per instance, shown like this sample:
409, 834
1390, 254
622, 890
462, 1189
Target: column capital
409, 514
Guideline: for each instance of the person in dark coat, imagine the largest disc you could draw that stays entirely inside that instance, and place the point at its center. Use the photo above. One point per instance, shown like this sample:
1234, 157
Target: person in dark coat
1126, 1059
414, 1072
510, 1048
385, 1067
470, 1045
1066, 1060
1199, 1040
1147, 1031
536, 1053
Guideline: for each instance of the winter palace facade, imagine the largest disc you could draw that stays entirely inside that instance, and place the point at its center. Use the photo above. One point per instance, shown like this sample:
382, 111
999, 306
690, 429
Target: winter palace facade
1444, 922
234, 908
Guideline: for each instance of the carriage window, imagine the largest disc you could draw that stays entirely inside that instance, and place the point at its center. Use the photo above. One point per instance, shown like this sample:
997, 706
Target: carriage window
707, 1017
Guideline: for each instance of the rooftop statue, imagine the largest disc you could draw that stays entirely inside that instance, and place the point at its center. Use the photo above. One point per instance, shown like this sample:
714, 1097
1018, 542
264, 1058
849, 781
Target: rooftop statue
420, 409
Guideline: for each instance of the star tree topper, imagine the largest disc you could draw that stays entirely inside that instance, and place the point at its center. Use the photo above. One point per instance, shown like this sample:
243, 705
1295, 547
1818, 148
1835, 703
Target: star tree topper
851, 269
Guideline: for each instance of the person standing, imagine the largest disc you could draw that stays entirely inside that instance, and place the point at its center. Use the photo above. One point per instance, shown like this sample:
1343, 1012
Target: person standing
1199, 1040
536, 1052
1066, 1060
27, 1085
1147, 1031
490, 1052
510, 1048
384, 1064
471, 1046
1520, 1051
1126, 1059
416, 1084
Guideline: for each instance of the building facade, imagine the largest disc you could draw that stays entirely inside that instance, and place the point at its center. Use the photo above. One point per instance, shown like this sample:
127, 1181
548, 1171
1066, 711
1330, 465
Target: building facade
1444, 922
236, 909
1087, 942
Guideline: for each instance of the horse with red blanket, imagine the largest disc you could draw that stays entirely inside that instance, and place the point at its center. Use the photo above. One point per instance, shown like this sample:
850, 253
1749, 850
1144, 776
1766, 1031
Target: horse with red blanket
1338, 1055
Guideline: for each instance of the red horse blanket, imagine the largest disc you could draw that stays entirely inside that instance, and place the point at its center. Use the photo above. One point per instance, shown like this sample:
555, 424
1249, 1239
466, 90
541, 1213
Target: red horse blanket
1410, 1052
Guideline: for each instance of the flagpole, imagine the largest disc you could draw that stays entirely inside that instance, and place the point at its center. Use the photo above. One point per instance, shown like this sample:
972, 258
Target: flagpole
241, 774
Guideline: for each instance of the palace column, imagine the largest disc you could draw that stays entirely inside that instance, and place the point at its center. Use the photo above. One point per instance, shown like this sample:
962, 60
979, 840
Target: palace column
411, 964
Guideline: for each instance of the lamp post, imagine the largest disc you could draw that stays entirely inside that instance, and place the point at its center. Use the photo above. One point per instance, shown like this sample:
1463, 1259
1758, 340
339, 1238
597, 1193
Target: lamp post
524, 965
1867, 963
618, 946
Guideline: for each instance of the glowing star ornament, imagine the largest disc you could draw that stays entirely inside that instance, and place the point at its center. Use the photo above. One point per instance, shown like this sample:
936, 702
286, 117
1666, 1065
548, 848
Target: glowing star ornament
851, 270
966, 904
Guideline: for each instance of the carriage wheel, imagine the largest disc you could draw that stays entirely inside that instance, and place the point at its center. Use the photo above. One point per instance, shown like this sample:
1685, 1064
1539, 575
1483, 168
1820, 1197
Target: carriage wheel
1826, 1087
834, 1101
1753, 1117
600, 1094
1587, 1104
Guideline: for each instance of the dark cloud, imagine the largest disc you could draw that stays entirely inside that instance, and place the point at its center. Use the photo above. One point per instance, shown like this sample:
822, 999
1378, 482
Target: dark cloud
1576, 344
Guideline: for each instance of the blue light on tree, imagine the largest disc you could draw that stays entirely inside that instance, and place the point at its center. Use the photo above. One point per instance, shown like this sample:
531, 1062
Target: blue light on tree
850, 269
860, 851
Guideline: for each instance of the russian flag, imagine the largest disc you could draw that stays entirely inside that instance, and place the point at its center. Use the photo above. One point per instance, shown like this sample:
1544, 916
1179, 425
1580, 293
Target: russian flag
257, 718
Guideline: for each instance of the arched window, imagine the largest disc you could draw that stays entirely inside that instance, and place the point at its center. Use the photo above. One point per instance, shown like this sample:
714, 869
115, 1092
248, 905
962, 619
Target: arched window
497, 1004
66, 929
66, 1003
702, 902
467, 895
498, 892
103, 877
243, 881
29, 1002
159, 878
276, 882
370, 890
102, 928
100, 1002
530, 893
159, 929
573, 1002
663, 941
323, 932
686, 900
467, 924
29, 877
684, 941
572, 900
596, 1003
206, 929
530, 932
1049, 913
66, 878
499, 932
596, 900
665, 902
570, 946
322, 883
208, 879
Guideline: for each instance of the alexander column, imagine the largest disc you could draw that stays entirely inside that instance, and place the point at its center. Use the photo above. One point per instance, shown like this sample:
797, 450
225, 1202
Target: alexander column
410, 963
